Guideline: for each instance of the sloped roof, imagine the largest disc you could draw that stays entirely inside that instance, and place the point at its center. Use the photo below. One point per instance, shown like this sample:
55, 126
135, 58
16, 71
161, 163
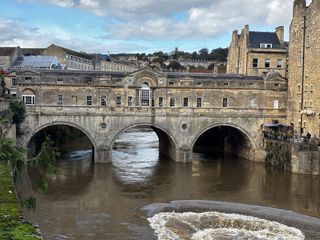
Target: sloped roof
6, 51
32, 51
75, 53
255, 38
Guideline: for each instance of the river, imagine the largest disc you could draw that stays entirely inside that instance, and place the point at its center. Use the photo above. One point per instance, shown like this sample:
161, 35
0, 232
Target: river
87, 201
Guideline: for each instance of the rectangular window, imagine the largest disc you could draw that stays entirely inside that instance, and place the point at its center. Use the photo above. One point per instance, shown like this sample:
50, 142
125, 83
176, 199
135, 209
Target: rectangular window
251, 103
306, 87
118, 101
265, 45
14, 82
172, 101
299, 89
160, 102
225, 102
308, 41
59, 80
28, 99
89, 100
255, 63
103, 101
267, 63
305, 104
275, 104
129, 101
199, 102
145, 97
60, 100
280, 63
185, 102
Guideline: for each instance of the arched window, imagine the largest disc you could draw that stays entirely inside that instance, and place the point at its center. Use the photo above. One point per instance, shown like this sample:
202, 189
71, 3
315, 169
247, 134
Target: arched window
145, 95
28, 97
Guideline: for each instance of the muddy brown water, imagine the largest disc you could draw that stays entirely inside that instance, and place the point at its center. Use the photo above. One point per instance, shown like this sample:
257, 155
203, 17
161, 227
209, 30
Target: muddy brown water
97, 201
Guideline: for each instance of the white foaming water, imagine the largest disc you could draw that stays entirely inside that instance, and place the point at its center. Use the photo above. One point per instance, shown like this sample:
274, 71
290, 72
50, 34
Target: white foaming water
215, 225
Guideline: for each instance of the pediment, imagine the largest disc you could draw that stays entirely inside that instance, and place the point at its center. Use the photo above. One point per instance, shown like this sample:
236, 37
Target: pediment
152, 77
28, 72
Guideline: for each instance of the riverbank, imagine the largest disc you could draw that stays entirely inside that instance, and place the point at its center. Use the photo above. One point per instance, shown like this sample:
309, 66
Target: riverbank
12, 226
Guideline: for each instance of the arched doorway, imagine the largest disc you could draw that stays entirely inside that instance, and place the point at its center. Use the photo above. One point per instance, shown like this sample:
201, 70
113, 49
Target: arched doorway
224, 140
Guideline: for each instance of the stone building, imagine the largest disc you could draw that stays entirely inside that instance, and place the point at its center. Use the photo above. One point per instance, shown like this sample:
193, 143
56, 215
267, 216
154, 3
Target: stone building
179, 106
304, 70
256, 53
72, 59
9, 55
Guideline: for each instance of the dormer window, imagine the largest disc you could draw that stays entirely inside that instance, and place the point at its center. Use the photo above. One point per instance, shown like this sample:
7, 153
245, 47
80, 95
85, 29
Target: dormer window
265, 45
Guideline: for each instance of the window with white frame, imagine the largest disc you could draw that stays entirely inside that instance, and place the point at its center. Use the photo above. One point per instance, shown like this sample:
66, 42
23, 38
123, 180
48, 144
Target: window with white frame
28, 99
279, 63
276, 104
265, 45
267, 63
145, 95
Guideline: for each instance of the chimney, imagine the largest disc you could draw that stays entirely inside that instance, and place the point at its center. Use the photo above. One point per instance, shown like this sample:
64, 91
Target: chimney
280, 34
299, 7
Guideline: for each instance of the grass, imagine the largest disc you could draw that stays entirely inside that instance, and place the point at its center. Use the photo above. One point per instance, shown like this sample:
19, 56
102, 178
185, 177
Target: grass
11, 227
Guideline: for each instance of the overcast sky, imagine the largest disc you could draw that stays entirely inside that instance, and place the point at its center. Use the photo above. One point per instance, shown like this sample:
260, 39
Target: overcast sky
136, 25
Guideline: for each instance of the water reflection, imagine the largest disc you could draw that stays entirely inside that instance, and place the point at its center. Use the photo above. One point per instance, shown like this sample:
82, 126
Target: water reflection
87, 201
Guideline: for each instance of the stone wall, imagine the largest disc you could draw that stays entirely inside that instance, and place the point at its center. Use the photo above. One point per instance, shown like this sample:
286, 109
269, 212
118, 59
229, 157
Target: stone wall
291, 158
304, 71
305, 162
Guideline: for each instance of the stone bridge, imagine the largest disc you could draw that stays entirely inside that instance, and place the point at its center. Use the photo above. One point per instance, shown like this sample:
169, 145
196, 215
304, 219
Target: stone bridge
184, 110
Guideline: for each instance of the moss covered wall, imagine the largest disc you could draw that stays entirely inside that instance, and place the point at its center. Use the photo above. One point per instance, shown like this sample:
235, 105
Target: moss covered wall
288, 157
11, 225
278, 155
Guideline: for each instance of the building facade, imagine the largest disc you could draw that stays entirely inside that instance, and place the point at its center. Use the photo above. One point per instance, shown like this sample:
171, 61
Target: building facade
304, 70
181, 107
71, 59
256, 53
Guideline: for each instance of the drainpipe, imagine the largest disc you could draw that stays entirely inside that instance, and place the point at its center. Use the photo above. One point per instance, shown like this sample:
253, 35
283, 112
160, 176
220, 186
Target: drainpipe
302, 75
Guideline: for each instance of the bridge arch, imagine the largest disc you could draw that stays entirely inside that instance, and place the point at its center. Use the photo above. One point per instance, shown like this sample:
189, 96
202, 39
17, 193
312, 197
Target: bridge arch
167, 142
233, 138
59, 123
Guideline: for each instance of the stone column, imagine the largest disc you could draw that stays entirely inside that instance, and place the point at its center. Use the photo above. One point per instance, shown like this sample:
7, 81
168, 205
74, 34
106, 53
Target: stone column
183, 154
102, 154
